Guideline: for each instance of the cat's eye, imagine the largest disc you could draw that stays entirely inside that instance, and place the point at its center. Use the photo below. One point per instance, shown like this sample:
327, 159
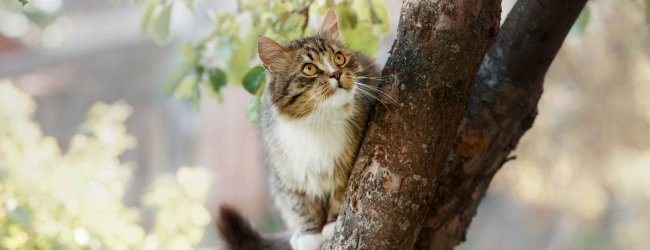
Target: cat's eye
309, 69
339, 58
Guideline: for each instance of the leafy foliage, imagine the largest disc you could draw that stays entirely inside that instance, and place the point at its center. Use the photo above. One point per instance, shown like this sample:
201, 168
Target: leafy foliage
227, 53
27, 19
254, 79
254, 83
73, 199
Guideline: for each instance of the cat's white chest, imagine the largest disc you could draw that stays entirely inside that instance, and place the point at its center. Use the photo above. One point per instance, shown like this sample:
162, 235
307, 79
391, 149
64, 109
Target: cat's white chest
310, 151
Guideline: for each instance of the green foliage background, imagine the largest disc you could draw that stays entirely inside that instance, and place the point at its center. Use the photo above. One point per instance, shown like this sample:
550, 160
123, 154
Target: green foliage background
73, 199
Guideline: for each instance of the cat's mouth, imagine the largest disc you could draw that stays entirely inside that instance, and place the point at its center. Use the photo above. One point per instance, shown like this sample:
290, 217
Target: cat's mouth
344, 82
336, 97
343, 85
338, 92
337, 87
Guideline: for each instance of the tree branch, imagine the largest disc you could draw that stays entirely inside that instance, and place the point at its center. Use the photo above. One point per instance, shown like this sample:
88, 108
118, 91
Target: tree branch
433, 62
502, 107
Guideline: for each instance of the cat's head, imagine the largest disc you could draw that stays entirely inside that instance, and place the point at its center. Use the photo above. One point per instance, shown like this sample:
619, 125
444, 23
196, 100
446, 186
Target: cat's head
311, 73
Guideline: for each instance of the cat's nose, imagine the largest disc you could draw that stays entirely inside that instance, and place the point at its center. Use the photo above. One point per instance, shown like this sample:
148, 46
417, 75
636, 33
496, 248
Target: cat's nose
336, 75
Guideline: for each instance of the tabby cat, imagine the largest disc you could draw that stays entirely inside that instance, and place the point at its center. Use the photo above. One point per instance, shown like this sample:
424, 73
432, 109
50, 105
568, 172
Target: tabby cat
313, 113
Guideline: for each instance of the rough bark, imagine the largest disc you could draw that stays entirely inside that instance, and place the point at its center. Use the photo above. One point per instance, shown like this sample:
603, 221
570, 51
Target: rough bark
433, 62
502, 107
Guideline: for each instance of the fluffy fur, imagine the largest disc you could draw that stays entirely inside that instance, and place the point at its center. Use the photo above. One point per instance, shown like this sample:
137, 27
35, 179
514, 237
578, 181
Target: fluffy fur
238, 234
312, 121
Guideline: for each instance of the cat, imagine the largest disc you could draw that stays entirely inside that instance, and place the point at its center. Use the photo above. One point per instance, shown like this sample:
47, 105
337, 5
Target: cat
313, 113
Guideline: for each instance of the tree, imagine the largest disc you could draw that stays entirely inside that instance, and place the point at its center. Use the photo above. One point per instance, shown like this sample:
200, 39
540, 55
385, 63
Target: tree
425, 165
416, 161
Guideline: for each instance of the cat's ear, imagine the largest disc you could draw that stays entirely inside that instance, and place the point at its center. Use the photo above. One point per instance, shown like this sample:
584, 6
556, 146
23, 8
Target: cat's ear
272, 54
330, 26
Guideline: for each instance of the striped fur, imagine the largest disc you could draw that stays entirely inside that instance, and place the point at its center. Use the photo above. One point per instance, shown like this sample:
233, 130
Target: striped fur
312, 126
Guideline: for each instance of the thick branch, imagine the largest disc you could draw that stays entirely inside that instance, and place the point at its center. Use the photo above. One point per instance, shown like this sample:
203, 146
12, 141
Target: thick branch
433, 62
502, 107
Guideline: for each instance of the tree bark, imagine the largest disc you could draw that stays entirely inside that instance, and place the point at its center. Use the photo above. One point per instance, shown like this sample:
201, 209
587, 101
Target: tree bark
433, 62
502, 107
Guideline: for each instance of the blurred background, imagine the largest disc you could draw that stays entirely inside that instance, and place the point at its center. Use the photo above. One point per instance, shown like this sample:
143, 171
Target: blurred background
581, 179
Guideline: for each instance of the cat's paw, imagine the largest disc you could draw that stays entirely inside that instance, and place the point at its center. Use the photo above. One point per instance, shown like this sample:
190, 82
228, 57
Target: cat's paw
328, 230
306, 241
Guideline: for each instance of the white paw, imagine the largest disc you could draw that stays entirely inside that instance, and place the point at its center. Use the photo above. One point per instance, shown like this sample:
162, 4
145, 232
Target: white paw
302, 241
328, 230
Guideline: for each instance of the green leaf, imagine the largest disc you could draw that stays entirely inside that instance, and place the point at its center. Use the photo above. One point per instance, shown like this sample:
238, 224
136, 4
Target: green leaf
348, 18
160, 25
215, 94
352, 18
581, 23
373, 14
381, 13
20, 215
186, 87
195, 99
189, 4
24, 2
254, 79
217, 78
252, 110
145, 15
293, 23
175, 77
242, 52
361, 39
188, 52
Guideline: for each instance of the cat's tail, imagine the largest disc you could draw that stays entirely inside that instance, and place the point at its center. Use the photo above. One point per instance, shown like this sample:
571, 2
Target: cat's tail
238, 234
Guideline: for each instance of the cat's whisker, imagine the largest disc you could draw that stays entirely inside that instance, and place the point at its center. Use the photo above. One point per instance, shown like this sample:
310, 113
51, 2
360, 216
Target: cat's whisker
377, 90
321, 120
383, 94
372, 73
373, 77
366, 93
299, 110
363, 78
316, 93
356, 125
375, 98
367, 85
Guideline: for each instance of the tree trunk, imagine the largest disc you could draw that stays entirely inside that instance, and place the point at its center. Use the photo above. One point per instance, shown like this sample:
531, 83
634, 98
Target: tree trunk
502, 107
433, 62
405, 169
